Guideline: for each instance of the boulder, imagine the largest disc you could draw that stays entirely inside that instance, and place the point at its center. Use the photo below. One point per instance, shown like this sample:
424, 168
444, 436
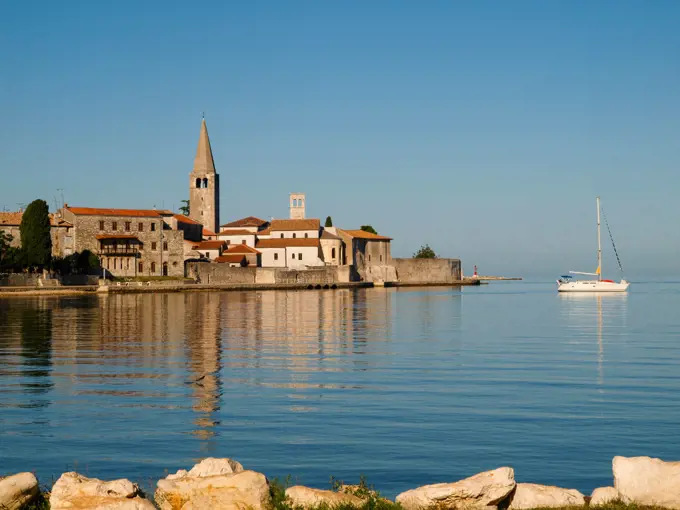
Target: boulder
603, 496
75, 492
210, 467
483, 490
17, 490
647, 481
531, 495
306, 497
214, 489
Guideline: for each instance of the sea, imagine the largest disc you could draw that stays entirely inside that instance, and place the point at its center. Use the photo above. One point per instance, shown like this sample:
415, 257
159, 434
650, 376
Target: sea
404, 386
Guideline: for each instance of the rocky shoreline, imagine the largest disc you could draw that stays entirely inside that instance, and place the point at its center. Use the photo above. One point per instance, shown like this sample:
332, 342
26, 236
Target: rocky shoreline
224, 484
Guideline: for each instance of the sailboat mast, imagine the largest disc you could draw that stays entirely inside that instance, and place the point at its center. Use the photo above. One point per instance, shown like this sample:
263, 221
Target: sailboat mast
599, 244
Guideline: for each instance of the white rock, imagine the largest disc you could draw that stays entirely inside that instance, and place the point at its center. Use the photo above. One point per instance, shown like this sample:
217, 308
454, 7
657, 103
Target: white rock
210, 467
483, 490
231, 491
647, 481
604, 495
306, 497
531, 495
73, 491
17, 490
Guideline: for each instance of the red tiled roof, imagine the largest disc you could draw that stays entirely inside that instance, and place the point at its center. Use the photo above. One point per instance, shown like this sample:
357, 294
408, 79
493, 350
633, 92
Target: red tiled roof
208, 245
231, 259
250, 221
208, 233
362, 234
267, 231
242, 248
237, 233
287, 243
116, 236
288, 225
94, 211
185, 219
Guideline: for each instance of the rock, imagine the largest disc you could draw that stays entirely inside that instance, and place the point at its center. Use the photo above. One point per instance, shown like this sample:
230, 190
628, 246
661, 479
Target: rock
480, 491
73, 491
531, 495
17, 490
604, 495
221, 491
306, 497
647, 481
210, 467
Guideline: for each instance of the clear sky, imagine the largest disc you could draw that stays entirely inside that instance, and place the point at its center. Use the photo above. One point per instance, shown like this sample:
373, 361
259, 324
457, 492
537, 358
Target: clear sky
485, 129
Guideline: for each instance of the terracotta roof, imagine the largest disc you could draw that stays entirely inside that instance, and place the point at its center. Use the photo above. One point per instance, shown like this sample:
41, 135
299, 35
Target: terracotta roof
288, 225
94, 211
14, 219
237, 233
250, 221
232, 259
328, 235
362, 234
185, 219
208, 232
267, 231
242, 248
116, 236
10, 218
208, 245
286, 243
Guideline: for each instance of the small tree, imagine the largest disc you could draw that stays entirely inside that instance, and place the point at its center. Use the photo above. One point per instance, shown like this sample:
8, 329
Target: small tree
185, 209
425, 252
329, 221
5, 246
368, 228
35, 234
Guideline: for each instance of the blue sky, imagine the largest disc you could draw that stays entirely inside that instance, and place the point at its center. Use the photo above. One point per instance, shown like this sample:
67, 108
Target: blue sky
485, 129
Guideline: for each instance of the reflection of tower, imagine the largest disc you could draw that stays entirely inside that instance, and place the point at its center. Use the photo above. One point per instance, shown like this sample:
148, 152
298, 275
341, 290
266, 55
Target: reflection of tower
297, 206
202, 331
36, 349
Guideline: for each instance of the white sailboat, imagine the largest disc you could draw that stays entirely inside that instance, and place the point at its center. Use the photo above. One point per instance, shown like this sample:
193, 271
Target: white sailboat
569, 284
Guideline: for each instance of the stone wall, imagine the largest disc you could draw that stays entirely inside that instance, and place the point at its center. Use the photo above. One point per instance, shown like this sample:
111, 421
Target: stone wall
427, 271
18, 280
221, 273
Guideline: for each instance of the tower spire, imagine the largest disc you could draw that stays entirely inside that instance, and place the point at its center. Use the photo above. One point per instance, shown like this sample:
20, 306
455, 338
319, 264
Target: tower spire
204, 162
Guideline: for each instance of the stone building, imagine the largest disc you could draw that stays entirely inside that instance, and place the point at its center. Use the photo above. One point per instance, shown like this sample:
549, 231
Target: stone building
297, 206
61, 232
365, 248
332, 247
131, 242
204, 185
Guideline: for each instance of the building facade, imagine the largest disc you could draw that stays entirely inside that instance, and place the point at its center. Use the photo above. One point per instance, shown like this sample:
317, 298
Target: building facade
204, 185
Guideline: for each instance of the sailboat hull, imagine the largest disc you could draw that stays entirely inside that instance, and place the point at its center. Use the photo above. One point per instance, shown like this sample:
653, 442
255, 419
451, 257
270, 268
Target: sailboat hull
592, 286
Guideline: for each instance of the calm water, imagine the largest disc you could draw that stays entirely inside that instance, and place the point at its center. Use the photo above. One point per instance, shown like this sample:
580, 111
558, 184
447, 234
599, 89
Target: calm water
405, 386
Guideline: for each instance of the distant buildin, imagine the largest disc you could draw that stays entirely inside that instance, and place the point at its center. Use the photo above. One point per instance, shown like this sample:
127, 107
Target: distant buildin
204, 185
297, 206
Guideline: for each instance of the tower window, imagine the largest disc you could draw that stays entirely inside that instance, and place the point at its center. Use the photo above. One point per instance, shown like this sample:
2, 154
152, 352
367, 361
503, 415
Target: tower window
198, 182
205, 182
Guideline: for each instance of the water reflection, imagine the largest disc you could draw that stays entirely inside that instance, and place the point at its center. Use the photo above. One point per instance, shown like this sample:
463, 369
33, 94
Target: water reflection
595, 316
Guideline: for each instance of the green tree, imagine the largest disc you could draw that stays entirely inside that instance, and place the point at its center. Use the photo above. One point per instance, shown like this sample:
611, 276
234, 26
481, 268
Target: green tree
185, 210
5, 247
35, 234
425, 252
329, 221
368, 228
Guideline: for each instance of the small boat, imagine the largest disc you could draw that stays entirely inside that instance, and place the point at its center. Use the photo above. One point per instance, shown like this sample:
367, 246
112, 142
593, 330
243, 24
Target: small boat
567, 283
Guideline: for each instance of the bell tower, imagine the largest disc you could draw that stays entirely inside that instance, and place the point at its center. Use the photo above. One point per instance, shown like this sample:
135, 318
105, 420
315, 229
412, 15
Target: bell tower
297, 206
204, 185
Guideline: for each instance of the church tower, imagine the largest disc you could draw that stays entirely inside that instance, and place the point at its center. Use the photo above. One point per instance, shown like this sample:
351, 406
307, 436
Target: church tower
204, 185
297, 206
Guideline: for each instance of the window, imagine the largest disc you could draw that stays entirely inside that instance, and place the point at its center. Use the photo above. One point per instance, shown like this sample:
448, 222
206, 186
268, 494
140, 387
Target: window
292, 256
281, 235
205, 182
127, 263
276, 256
108, 263
380, 258
165, 269
153, 227
306, 235
165, 246
333, 253
198, 182
228, 242
153, 267
128, 226
294, 235
243, 241
114, 263
141, 226
114, 225
299, 256
101, 225
153, 245
369, 258
141, 266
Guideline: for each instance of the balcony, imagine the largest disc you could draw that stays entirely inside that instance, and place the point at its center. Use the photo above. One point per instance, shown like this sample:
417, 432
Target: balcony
119, 251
